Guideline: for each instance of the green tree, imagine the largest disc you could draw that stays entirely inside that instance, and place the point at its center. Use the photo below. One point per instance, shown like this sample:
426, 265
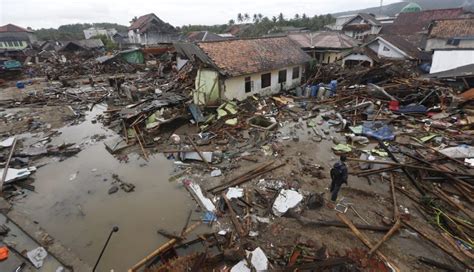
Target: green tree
240, 18
246, 17
108, 43
231, 22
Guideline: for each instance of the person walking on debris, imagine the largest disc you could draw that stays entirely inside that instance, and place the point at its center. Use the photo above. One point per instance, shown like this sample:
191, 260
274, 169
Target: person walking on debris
338, 177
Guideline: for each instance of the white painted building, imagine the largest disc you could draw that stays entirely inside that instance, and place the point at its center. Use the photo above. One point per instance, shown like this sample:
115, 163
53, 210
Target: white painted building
237, 69
94, 32
447, 59
382, 47
452, 43
149, 29
361, 26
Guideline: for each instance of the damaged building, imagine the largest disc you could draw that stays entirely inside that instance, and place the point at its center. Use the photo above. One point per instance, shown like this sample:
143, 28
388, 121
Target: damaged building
149, 29
236, 69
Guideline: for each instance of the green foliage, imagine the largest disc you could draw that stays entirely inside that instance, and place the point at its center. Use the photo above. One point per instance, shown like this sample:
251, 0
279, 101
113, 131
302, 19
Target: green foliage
108, 43
214, 28
73, 31
263, 25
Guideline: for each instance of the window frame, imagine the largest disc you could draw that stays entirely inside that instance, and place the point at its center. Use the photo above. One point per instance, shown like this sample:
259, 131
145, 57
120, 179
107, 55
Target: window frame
297, 69
248, 80
263, 80
282, 76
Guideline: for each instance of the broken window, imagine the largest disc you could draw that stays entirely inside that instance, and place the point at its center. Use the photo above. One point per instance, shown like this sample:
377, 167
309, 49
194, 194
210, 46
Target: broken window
386, 48
453, 41
266, 80
282, 76
296, 73
248, 84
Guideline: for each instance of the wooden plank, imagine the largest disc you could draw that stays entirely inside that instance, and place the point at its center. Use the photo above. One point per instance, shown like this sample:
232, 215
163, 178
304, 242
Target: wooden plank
435, 242
7, 164
387, 236
366, 241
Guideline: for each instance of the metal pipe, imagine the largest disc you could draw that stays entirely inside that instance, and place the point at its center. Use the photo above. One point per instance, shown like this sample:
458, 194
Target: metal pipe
114, 229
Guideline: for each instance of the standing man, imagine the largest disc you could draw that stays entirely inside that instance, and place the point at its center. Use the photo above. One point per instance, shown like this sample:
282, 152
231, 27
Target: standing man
338, 177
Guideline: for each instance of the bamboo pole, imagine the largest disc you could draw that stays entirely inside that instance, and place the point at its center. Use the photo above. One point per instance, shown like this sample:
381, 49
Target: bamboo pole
161, 249
366, 241
387, 236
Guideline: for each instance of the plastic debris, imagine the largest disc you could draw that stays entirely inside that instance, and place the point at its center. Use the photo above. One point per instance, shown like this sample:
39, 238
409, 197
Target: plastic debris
258, 261
37, 256
286, 200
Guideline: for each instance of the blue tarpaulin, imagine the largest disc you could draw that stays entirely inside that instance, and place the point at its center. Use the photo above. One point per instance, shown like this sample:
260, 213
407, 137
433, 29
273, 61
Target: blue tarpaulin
378, 130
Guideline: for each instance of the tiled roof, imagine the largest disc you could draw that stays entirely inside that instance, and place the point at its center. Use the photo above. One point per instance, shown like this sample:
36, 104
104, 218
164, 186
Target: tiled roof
367, 17
13, 28
248, 56
143, 23
201, 36
409, 23
403, 45
323, 39
452, 28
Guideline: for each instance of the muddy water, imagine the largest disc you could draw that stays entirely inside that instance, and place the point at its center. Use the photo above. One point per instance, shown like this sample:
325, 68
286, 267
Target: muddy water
72, 201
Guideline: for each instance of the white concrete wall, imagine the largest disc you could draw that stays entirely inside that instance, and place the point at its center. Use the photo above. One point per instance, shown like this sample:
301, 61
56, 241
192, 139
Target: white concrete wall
234, 88
393, 53
436, 43
358, 57
449, 59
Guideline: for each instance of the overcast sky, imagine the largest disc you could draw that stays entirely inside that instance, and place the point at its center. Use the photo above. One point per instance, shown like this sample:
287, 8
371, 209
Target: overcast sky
53, 13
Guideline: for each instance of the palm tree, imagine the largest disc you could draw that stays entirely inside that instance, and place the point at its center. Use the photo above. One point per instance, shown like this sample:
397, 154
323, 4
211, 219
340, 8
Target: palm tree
274, 19
260, 16
231, 22
255, 18
304, 17
240, 18
246, 17
297, 16
281, 18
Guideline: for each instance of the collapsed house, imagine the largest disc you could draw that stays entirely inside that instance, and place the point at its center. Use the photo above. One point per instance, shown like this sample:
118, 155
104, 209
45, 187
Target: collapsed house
383, 47
236, 69
452, 43
324, 46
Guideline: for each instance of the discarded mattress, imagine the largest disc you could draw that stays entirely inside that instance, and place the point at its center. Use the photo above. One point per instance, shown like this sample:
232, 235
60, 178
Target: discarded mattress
378, 130
286, 200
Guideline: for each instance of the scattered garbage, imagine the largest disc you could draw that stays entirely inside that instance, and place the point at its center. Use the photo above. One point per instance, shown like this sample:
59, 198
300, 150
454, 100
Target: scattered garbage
286, 200
37, 256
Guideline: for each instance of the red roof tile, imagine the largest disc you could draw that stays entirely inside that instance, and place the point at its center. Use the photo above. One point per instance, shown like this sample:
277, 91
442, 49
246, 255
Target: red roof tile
145, 21
13, 28
413, 22
248, 56
452, 28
